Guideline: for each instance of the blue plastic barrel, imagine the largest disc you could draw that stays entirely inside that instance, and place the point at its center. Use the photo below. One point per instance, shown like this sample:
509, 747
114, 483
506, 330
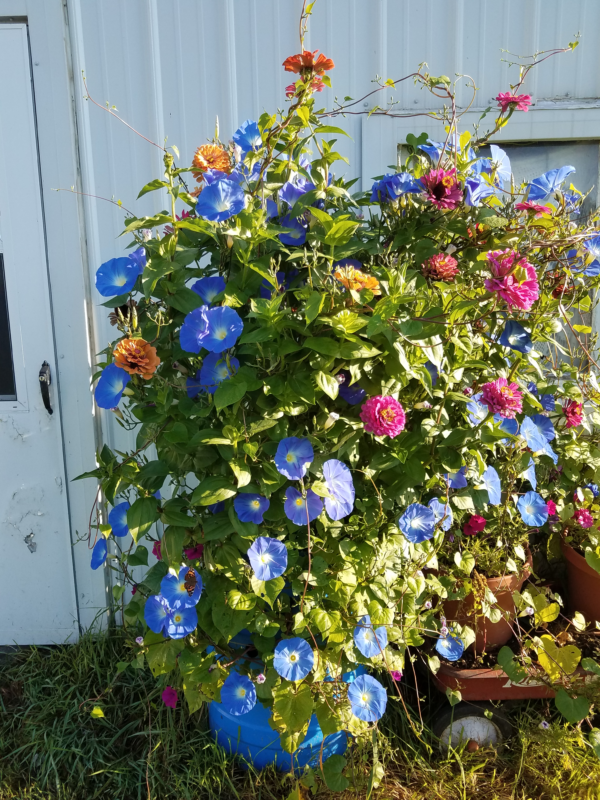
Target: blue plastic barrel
250, 736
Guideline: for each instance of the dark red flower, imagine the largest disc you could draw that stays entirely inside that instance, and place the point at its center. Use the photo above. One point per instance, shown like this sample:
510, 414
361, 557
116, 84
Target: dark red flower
306, 61
574, 413
475, 524
440, 267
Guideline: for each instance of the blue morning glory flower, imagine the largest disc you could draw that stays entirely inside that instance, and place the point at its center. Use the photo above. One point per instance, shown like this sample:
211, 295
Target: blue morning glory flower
500, 162
193, 387
531, 387
338, 479
477, 411
297, 509
181, 622
267, 289
220, 200
268, 558
293, 659
117, 519
544, 426
532, 508
156, 612
433, 372
247, 137
531, 433
593, 487
368, 640
368, 698
183, 590
516, 337
476, 190
293, 457
109, 388
117, 276
571, 203
271, 209
530, 475
139, 259
250, 507
442, 513
450, 647
457, 480
293, 189
215, 329
509, 425
548, 183
208, 288
417, 523
216, 508
592, 245
354, 394
392, 186
434, 149
238, 695
297, 235
214, 371
548, 402
99, 553
490, 481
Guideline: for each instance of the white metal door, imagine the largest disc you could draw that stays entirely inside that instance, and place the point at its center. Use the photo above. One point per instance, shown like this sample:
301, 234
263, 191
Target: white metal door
37, 586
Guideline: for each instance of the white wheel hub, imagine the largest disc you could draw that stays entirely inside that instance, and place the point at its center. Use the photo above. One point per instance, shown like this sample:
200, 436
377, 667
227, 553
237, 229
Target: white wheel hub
478, 728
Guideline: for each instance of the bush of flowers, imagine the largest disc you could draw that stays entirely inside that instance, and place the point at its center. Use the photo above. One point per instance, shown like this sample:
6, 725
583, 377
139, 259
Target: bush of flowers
350, 407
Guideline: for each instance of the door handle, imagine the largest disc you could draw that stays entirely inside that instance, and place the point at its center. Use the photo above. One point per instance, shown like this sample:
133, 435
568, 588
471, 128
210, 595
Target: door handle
45, 381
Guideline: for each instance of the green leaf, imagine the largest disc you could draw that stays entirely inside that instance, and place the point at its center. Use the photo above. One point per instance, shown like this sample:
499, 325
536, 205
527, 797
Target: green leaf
333, 773
184, 300
594, 739
593, 559
313, 306
454, 696
465, 561
589, 665
508, 662
171, 546
328, 384
162, 655
229, 392
152, 187
139, 558
295, 707
268, 590
557, 661
212, 490
572, 709
171, 515
326, 347
141, 516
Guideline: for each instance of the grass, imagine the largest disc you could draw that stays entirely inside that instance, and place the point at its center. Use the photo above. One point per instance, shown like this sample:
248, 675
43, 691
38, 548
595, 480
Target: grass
52, 749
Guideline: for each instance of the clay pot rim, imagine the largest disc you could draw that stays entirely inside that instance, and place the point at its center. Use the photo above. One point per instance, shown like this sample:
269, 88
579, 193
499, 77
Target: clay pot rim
510, 582
577, 560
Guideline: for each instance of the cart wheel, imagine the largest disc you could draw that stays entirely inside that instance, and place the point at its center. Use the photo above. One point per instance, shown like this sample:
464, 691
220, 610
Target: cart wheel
468, 723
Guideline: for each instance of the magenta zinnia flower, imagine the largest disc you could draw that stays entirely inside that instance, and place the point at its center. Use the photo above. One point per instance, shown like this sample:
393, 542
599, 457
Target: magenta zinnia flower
574, 413
440, 267
551, 506
156, 550
520, 102
528, 205
383, 416
515, 279
583, 517
194, 553
502, 398
442, 188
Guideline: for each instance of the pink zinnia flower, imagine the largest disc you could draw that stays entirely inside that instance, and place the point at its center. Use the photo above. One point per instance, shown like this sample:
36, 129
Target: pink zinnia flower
169, 697
583, 517
383, 416
528, 205
442, 188
502, 398
475, 524
574, 413
551, 506
521, 102
194, 553
184, 214
156, 550
440, 267
514, 279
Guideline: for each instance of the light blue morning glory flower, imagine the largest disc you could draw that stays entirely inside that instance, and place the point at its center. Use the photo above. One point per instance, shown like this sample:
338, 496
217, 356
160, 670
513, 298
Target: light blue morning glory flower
156, 613
117, 519
417, 523
181, 622
338, 480
293, 659
530, 475
392, 186
442, 513
370, 642
548, 183
215, 329
250, 507
533, 509
293, 189
117, 276
450, 647
457, 480
490, 481
544, 426
297, 509
297, 235
531, 433
476, 190
247, 137
368, 698
500, 162
220, 200
99, 553
516, 337
109, 388
208, 288
215, 370
238, 695
139, 258
268, 558
183, 590
293, 457
477, 411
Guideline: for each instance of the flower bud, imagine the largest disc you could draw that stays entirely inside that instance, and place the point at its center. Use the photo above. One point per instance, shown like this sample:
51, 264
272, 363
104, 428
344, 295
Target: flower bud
330, 421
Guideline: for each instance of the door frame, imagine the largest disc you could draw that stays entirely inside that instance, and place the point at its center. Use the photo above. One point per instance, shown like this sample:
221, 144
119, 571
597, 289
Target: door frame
68, 277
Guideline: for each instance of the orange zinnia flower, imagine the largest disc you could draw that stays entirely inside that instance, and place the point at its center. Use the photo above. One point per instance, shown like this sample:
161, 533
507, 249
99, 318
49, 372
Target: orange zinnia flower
306, 60
210, 156
137, 357
355, 279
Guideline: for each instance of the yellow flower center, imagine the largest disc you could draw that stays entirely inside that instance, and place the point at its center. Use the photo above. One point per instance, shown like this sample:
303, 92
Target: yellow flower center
365, 697
177, 618
289, 458
121, 281
220, 334
388, 414
293, 658
255, 504
299, 502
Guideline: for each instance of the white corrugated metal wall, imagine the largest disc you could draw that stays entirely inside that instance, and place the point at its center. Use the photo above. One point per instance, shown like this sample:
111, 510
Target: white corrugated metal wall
172, 66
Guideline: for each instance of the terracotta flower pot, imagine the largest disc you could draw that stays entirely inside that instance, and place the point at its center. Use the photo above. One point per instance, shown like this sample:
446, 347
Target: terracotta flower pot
488, 684
490, 634
583, 584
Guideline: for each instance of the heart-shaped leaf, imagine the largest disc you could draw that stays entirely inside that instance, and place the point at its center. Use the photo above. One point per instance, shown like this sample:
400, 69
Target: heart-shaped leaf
572, 709
558, 661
